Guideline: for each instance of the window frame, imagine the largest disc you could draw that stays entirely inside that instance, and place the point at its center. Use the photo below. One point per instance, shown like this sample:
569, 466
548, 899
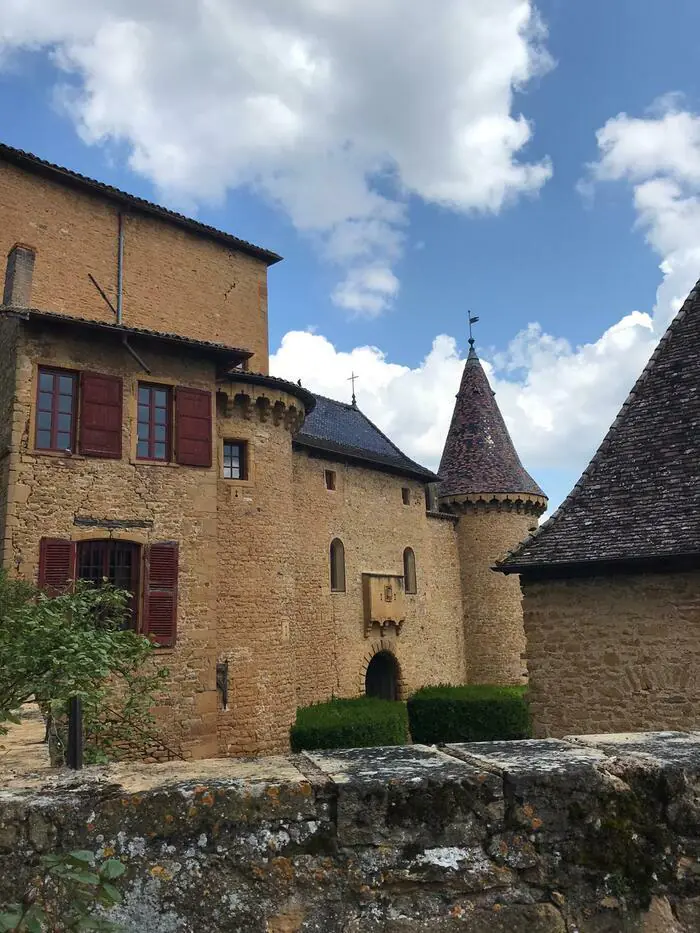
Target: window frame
105, 545
331, 479
56, 372
406, 495
151, 441
409, 572
243, 459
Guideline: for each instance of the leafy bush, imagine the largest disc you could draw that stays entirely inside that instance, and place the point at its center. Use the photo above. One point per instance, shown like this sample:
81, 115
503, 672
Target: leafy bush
357, 723
77, 644
64, 897
470, 713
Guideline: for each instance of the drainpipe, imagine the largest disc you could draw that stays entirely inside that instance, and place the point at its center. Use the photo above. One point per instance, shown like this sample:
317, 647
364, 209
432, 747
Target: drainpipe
120, 267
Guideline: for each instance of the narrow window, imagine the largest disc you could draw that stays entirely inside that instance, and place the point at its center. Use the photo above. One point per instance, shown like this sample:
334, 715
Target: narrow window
56, 410
154, 423
235, 460
337, 566
406, 495
409, 571
330, 479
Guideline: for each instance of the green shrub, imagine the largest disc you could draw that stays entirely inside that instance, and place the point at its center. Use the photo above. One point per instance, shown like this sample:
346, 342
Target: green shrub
470, 713
356, 723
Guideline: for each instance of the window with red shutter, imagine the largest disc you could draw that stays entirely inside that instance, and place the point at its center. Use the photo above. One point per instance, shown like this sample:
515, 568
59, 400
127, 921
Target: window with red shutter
101, 415
56, 564
193, 434
55, 410
160, 593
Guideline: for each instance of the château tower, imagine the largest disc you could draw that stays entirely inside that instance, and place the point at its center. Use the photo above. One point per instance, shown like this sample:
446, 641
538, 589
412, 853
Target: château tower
484, 483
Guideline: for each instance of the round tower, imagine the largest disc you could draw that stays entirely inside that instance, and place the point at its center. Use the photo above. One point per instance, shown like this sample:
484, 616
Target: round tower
483, 482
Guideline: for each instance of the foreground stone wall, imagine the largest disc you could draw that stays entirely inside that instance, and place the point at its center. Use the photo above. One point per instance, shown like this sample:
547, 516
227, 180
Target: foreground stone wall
613, 653
592, 835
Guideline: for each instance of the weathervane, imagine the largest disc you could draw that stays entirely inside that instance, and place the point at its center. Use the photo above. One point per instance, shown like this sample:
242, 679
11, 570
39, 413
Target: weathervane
472, 320
352, 379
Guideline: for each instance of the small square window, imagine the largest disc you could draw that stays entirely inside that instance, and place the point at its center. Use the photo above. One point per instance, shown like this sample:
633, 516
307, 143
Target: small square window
330, 479
235, 460
406, 495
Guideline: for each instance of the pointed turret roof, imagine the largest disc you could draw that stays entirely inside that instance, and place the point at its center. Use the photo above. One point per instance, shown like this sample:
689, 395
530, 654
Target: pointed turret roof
479, 456
639, 498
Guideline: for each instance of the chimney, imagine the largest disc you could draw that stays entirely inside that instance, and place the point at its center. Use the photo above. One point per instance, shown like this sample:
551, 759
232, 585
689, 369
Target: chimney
18, 277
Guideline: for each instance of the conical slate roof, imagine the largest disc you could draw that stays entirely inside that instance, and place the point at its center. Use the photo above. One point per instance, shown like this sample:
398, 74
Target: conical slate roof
639, 498
479, 456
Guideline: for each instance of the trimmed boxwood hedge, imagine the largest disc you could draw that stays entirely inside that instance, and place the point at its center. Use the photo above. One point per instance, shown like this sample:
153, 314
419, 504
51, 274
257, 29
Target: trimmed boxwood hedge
469, 713
356, 723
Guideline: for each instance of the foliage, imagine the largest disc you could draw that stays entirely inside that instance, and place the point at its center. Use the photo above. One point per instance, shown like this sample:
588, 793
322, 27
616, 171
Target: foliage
64, 895
352, 723
470, 713
77, 644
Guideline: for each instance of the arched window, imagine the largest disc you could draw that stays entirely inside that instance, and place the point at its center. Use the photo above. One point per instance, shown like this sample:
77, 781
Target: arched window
409, 571
337, 566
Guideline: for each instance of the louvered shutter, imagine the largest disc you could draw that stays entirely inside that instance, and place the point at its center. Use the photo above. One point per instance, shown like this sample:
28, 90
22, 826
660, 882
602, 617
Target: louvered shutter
56, 565
160, 593
100, 415
193, 427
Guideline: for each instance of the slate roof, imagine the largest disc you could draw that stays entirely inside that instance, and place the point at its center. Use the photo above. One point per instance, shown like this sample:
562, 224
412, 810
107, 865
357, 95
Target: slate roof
639, 497
221, 350
479, 456
340, 429
64, 176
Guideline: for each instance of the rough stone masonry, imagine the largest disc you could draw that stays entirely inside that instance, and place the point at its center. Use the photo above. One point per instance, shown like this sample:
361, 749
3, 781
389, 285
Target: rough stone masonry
590, 834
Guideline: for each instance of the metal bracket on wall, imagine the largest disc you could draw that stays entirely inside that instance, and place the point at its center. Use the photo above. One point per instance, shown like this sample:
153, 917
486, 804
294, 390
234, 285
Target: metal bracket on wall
222, 682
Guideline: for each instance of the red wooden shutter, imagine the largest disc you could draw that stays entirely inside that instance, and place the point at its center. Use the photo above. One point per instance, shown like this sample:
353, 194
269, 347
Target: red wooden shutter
56, 565
160, 593
193, 427
100, 415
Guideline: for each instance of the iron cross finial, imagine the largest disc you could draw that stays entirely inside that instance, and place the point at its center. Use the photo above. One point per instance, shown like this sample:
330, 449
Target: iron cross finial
472, 318
352, 379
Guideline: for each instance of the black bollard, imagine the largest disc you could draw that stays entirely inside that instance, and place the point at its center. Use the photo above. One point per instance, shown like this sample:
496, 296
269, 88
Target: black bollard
75, 733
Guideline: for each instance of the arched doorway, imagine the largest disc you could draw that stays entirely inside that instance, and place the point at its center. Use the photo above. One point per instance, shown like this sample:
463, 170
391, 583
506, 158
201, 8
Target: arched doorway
382, 677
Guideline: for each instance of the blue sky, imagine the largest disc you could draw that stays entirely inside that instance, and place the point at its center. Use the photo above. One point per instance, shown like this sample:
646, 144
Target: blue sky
550, 260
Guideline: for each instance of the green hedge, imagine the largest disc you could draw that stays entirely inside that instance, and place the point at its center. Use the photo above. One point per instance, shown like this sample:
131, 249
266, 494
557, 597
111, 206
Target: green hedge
356, 723
471, 713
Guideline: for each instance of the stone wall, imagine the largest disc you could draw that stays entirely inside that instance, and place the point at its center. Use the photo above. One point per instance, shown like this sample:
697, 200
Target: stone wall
529, 837
367, 513
614, 653
49, 491
174, 280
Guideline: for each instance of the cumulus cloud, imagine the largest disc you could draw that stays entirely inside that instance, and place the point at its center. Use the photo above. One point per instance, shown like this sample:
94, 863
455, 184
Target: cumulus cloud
557, 399
336, 110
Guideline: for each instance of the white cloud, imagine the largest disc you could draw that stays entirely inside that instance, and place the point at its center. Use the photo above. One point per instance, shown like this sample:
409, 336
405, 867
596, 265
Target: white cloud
337, 110
558, 400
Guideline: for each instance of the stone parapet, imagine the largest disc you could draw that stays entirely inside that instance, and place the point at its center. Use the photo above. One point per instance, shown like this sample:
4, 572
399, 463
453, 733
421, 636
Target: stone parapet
592, 834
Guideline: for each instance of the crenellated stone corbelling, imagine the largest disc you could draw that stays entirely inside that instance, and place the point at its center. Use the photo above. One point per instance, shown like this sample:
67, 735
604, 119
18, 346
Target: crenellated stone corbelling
262, 403
519, 503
